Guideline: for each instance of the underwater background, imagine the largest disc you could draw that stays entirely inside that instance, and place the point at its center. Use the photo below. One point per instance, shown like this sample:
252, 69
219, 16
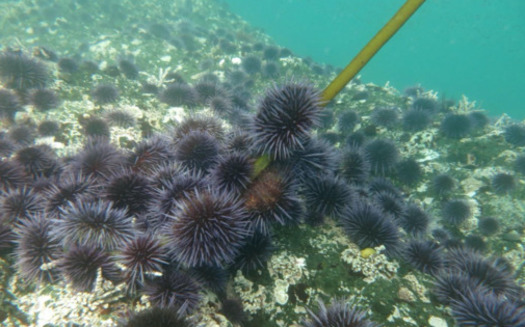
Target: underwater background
471, 47
168, 163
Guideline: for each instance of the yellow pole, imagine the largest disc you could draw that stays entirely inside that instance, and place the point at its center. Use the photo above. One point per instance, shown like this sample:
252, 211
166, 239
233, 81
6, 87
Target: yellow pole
359, 61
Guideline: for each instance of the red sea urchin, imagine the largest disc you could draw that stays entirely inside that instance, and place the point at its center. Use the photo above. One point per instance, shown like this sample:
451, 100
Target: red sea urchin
284, 119
270, 199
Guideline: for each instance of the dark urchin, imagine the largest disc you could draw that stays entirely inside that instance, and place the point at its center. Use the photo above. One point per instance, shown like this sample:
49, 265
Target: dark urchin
150, 154
93, 224
44, 100
327, 195
503, 183
141, 256
69, 188
80, 266
456, 211
254, 254
368, 227
9, 104
338, 314
382, 155
355, 167
481, 308
129, 191
208, 229
387, 117
197, 151
35, 249
157, 317
179, 94
443, 184
233, 173
515, 134
425, 256
414, 220
284, 119
18, 204
105, 93
409, 172
174, 290
456, 126
415, 120
21, 72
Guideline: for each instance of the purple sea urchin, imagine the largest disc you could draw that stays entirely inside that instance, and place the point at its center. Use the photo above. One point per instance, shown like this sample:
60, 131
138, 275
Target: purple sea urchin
197, 151
503, 183
157, 317
174, 290
255, 253
21, 72
233, 173
81, 264
68, 188
327, 195
368, 227
19, 204
95, 224
37, 160
481, 308
44, 99
338, 314
382, 155
456, 211
9, 104
456, 126
355, 167
129, 191
414, 220
105, 93
35, 249
425, 256
208, 229
142, 255
179, 94
284, 119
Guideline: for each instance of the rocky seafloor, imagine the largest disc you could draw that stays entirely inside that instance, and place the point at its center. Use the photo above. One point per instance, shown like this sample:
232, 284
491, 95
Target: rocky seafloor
143, 51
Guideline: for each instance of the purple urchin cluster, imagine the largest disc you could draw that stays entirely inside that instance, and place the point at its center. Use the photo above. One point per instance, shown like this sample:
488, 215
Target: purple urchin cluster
177, 212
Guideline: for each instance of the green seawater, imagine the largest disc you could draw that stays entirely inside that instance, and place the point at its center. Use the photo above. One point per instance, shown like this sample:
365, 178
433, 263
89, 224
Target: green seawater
471, 47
